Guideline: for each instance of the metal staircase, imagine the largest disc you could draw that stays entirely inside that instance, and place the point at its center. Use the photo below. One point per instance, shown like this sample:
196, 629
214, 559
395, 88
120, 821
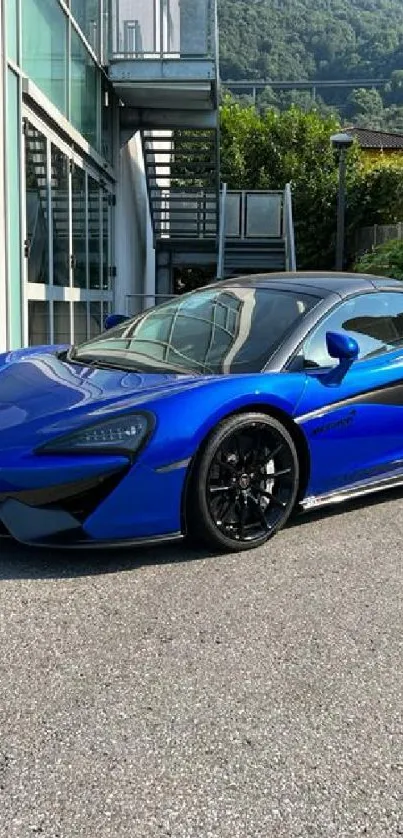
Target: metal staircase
163, 64
181, 170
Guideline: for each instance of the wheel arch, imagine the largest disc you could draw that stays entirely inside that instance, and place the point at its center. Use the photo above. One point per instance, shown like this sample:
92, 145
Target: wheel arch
293, 429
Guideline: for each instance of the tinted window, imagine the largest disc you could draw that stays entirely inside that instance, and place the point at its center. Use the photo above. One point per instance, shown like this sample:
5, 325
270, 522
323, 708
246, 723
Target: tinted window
208, 331
374, 320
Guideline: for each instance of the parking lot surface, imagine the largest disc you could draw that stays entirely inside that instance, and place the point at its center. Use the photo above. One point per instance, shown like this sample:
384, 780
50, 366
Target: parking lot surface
172, 693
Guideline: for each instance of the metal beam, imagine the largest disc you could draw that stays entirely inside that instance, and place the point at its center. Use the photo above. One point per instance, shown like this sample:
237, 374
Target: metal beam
149, 119
162, 70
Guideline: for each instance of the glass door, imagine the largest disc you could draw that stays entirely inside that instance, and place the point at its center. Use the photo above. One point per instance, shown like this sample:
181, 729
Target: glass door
67, 241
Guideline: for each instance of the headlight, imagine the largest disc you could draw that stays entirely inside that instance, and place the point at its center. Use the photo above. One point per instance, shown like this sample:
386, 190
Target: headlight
127, 433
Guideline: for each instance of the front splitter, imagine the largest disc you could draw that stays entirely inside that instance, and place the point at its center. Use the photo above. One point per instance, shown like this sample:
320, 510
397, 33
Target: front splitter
58, 529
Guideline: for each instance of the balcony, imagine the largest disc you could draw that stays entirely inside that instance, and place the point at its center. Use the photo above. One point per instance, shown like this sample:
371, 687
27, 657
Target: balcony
163, 53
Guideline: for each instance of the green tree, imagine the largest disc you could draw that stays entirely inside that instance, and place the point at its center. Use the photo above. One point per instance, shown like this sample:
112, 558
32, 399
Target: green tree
365, 108
316, 39
266, 151
269, 150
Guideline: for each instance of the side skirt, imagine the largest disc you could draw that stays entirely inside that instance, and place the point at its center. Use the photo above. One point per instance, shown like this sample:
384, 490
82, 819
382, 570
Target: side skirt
350, 493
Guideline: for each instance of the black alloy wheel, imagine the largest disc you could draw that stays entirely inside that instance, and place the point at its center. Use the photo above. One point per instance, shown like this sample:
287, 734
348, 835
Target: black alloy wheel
245, 484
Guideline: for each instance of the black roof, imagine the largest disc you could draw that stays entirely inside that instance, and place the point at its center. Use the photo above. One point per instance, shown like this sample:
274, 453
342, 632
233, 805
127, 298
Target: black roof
320, 283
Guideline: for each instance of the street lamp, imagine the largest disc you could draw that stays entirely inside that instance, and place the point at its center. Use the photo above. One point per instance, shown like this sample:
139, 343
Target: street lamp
341, 143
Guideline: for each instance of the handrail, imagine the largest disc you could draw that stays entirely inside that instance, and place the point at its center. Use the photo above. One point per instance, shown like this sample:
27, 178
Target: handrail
221, 235
165, 38
291, 259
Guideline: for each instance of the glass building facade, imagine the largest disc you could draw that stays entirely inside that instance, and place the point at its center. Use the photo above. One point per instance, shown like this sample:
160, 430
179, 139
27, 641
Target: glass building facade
59, 180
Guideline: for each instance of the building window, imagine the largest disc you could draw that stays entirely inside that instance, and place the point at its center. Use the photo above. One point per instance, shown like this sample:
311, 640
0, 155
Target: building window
85, 104
96, 324
60, 217
61, 314
80, 322
38, 322
94, 233
79, 219
44, 48
68, 241
37, 209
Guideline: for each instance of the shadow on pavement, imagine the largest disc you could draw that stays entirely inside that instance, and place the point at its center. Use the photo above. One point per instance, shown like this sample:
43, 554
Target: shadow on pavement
19, 562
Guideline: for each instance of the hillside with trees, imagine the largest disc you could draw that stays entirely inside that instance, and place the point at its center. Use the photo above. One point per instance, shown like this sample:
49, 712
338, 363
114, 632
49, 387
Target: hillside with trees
318, 39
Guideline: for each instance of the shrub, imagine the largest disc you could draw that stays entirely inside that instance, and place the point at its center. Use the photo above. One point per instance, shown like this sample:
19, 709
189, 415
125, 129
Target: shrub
384, 260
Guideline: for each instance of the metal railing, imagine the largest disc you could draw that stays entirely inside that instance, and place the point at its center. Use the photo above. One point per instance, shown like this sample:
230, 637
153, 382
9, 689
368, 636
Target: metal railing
162, 29
254, 214
184, 213
221, 233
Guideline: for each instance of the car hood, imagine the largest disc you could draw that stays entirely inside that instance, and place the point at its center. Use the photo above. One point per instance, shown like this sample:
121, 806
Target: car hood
37, 387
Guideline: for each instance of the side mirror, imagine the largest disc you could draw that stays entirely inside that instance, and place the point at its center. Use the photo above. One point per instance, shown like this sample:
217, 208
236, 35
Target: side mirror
346, 350
113, 320
342, 346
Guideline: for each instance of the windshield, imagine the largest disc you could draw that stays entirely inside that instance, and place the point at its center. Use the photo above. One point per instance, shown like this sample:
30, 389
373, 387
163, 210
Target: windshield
233, 330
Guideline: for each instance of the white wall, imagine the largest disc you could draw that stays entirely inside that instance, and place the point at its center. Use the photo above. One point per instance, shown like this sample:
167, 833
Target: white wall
3, 238
134, 252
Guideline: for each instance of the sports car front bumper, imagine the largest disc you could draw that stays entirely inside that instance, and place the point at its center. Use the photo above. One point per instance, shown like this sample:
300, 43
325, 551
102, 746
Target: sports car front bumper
125, 505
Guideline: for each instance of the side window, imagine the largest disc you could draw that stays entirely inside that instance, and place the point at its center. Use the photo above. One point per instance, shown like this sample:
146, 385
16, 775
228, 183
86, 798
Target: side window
374, 320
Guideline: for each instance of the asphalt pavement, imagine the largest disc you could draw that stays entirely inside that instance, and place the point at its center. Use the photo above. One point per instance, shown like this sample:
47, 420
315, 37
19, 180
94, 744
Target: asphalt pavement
172, 693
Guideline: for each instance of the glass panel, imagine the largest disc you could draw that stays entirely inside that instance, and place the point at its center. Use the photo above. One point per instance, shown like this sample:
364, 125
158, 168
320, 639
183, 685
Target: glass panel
233, 215
11, 23
134, 26
88, 16
80, 322
61, 314
79, 228
105, 240
13, 145
37, 210
38, 322
96, 324
171, 27
60, 217
263, 215
44, 52
194, 28
94, 233
84, 91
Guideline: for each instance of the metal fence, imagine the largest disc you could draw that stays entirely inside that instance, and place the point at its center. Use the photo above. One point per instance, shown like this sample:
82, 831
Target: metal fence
369, 237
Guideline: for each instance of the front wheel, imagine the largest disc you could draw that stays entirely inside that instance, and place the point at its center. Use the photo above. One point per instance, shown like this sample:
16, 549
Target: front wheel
245, 483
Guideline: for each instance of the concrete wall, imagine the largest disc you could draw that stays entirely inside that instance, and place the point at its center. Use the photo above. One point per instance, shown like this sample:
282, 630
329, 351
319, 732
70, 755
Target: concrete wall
3, 292
134, 252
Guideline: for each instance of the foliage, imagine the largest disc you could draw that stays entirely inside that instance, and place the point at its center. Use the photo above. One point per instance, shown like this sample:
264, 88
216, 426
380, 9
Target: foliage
384, 260
266, 151
319, 39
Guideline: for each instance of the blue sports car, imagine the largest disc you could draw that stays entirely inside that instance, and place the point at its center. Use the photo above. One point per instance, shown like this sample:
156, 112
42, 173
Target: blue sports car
212, 415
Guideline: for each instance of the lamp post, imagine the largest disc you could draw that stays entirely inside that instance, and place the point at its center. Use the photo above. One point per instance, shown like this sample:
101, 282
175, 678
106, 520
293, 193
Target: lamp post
341, 143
